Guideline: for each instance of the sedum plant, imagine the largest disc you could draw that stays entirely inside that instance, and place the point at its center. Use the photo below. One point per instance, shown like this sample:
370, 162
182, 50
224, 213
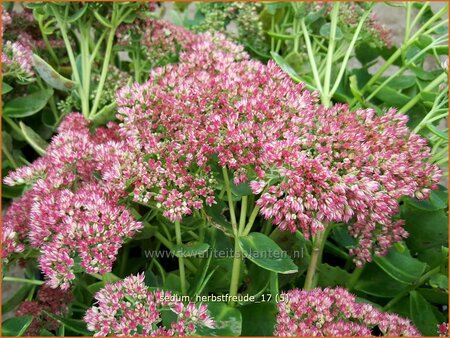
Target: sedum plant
176, 200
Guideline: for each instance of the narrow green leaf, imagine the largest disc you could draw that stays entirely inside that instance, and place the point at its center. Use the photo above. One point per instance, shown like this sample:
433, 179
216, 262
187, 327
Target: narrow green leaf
402, 82
6, 88
33, 139
437, 132
392, 97
102, 20
75, 325
78, 14
16, 326
94, 288
264, 252
401, 266
16, 299
422, 314
285, 66
51, 76
376, 282
27, 105
326, 29
439, 280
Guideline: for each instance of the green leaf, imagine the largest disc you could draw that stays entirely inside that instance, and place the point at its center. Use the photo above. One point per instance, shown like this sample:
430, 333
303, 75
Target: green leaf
422, 314
242, 189
75, 325
16, 299
24, 106
314, 16
392, 97
190, 249
427, 229
437, 132
173, 282
285, 66
402, 82
374, 281
354, 87
326, 29
401, 266
331, 276
439, 281
106, 114
365, 53
45, 333
257, 279
51, 76
259, 319
33, 139
264, 252
423, 41
16, 326
147, 232
6, 88
12, 192
78, 14
102, 20
94, 288
435, 296
438, 200
228, 321
109, 277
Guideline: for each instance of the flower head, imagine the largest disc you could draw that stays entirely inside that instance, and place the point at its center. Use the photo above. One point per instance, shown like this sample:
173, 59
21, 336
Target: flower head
54, 301
70, 214
312, 165
16, 62
129, 308
335, 312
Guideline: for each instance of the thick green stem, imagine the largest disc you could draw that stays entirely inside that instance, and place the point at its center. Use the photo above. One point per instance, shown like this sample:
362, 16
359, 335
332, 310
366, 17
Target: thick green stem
326, 97
348, 53
318, 244
230, 200
311, 57
237, 259
408, 21
23, 280
13, 124
400, 51
354, 278
73, 64
84, 29
251, 220
180, 259
101, 84
416, 98
243, 215
274, 289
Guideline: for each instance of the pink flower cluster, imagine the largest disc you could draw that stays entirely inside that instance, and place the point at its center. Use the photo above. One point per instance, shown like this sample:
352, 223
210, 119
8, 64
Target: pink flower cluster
54, 301
129, 308
16, 61
70, 214
313, 165
335, 312
335, 165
